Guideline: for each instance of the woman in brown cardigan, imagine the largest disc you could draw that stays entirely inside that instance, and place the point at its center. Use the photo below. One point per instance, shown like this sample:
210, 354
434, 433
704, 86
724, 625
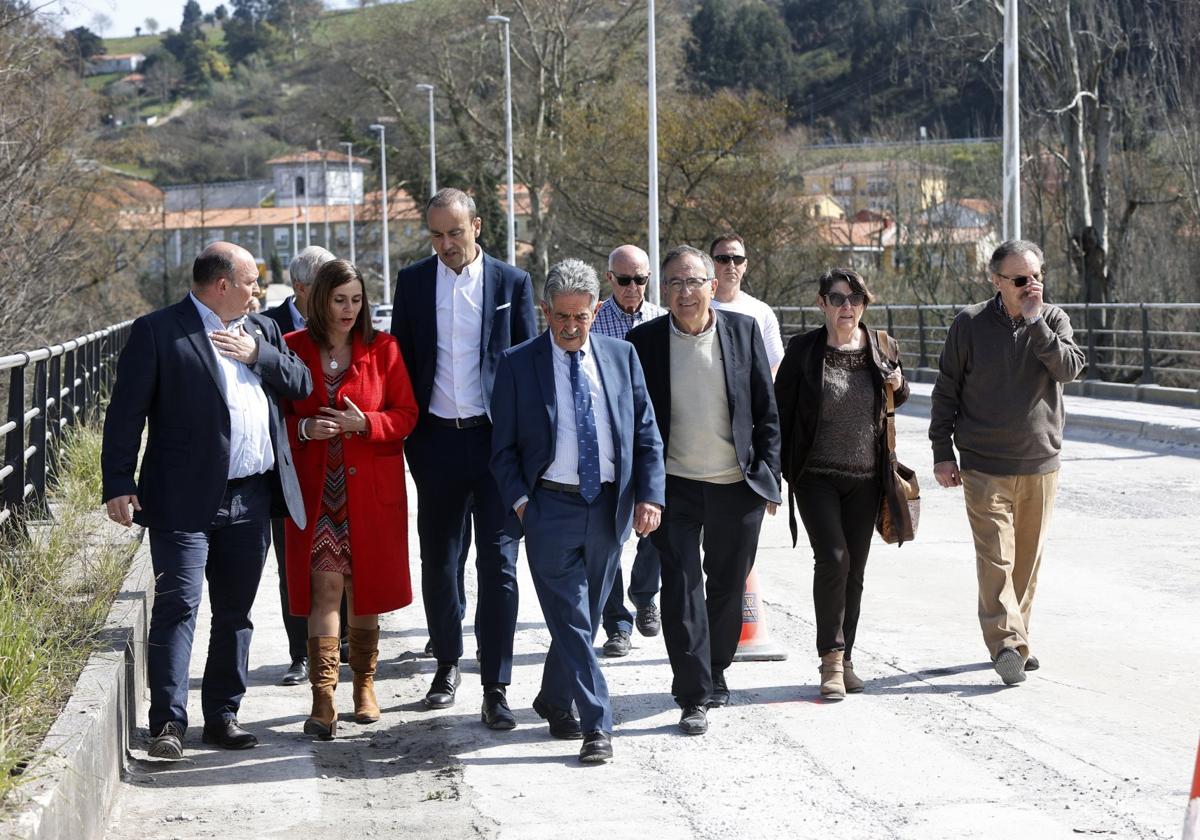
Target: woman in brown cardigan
830, 391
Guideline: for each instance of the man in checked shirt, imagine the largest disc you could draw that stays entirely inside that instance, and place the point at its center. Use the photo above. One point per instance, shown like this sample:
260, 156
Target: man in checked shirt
627, 307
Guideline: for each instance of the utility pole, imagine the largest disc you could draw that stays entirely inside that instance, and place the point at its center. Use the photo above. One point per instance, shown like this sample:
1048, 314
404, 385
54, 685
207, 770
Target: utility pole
652, 173
385, 246
508, 138
1012, 124
350, 187
324, 192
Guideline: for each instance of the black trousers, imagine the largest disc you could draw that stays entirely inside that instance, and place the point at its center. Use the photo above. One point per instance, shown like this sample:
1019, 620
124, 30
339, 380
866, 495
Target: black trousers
839, 516
702, 621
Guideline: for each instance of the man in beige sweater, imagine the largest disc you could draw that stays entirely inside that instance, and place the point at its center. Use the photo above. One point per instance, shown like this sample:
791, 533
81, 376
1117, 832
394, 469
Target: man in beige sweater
709, 378
999, 396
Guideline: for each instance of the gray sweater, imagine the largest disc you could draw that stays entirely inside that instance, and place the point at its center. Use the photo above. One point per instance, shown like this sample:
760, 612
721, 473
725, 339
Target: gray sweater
999, 390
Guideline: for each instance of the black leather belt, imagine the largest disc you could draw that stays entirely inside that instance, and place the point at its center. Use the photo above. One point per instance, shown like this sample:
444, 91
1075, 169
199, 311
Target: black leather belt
246, 479
561, 488
459, 422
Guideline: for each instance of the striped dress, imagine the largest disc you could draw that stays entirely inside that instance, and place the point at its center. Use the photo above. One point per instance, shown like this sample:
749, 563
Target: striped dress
331, 539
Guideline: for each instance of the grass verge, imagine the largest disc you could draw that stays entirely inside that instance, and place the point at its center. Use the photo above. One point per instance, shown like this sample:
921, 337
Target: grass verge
56, 588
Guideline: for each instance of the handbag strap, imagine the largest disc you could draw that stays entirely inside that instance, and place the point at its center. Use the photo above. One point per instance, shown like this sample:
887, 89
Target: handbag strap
890, 418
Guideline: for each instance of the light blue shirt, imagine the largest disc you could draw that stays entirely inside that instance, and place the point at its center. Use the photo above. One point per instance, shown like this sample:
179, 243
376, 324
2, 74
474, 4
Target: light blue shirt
250, 450
297, 319
565, 467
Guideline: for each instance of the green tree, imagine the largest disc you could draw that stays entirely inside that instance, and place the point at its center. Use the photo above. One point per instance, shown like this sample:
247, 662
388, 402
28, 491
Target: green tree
79, 45
193, 16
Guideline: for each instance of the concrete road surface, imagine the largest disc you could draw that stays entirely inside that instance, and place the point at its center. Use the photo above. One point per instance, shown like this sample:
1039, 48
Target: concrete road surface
1100, 742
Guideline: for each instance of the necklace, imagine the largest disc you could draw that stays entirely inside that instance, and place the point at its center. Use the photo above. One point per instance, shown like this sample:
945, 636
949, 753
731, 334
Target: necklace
333, 364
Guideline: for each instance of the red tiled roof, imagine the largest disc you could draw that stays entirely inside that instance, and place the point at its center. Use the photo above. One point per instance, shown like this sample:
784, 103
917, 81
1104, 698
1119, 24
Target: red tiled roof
328, 155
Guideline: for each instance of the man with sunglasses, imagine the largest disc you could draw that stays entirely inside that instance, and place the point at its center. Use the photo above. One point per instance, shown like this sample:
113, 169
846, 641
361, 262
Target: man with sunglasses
627, 307
728, 252
998, 398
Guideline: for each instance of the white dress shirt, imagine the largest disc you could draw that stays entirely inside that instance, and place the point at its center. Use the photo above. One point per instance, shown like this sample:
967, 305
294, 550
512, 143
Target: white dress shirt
565, 467
250, 450
457, 387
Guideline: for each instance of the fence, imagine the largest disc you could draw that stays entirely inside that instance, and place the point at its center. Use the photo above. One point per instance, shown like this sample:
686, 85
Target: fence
1147, 343
67, 380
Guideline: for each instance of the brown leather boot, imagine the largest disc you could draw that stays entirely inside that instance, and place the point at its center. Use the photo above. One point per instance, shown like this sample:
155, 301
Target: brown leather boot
364, 653
854, 683
323, 662
833, 686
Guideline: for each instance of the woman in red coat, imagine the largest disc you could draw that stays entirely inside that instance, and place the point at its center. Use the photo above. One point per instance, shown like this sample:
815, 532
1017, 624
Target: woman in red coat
348, 441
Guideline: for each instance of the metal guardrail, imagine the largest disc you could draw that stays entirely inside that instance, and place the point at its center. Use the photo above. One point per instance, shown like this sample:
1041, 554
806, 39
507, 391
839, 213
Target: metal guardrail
1147, 343
67, 381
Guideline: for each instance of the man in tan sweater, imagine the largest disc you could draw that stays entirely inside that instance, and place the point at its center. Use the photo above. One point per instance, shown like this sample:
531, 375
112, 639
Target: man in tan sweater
709, 377
999, 396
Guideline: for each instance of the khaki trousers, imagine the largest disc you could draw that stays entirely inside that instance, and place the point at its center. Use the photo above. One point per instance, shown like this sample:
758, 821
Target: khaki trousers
1009, 516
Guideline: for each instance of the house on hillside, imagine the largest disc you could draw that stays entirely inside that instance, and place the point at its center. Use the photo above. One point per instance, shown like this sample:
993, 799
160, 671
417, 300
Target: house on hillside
957, 239
897, 187
117, 63
307, 179
218, 195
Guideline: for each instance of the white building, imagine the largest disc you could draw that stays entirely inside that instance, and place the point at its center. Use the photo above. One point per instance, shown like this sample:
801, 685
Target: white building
120, 63
317, 178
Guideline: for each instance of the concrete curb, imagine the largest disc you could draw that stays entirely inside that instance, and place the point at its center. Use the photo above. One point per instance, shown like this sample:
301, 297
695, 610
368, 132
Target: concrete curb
80, 762
1080, 421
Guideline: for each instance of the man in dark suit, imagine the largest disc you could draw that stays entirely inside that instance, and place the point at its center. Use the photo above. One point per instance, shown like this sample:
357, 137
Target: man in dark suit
710, 381
578, 458
291, 315
208, 379
454, 313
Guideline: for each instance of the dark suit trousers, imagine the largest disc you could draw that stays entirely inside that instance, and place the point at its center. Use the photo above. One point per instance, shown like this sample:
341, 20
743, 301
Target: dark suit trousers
230, 555
450, 469
573, 553
701, 622
643, 586
296, 626
839, 516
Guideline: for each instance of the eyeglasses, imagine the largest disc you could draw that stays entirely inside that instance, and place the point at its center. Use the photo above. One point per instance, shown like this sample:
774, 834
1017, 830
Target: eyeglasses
625, 279
837, 299
1022, 279
694, 284
726, 259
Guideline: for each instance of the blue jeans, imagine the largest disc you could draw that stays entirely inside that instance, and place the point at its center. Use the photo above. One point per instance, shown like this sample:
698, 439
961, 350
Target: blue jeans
230, 555
643, 586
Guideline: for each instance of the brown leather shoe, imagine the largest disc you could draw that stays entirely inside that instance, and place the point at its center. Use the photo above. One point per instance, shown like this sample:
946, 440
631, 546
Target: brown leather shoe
364, 654
324, 659
833, 684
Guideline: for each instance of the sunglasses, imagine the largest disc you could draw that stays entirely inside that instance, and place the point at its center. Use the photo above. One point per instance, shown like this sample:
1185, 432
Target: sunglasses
625, 279
1023, 279
726, 259
838, 299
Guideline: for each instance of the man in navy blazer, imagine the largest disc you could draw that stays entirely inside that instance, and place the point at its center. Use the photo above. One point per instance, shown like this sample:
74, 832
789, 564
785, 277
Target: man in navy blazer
207, 378
454, 313
578, 457
708, 375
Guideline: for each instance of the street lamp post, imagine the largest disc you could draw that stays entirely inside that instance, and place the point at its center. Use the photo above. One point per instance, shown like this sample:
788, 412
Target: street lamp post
307, 228
652, 173
350, 185
432, 141
508, 141
387, 269
1012, 124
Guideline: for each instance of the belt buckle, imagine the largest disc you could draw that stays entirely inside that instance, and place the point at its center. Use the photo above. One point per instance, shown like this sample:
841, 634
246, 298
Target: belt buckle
458, 423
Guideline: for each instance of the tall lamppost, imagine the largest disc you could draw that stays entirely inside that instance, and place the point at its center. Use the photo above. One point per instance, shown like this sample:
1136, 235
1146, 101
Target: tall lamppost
1012, 124
350, 185
307, 190
432, 141
508, 142
652, 174
387, 269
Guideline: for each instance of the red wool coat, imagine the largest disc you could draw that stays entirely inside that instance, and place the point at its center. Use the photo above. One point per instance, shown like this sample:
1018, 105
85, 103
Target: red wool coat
377, 382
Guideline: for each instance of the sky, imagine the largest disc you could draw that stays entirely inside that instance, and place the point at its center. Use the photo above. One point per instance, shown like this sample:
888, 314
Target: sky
126, 14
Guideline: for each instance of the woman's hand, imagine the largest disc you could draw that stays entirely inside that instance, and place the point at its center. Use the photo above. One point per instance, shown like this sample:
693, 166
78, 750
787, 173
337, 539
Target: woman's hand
350, 420
319, 428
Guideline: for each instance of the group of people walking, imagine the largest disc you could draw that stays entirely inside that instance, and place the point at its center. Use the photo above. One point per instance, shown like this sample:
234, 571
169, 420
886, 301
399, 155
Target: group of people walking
678, 425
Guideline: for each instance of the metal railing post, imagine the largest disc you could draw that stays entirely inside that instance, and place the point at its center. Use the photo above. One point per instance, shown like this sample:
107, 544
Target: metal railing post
70, 398
1147, 362
38, 439
1093, 371
14, 451
923, 360
54, 414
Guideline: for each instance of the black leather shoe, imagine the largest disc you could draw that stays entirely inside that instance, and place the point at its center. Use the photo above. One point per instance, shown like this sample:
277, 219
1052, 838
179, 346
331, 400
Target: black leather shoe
496, 714
648, 621
429, 649
441, 691
227, 735
720, 692
562, 723
168, 743
1032, 664
596, 749
617, 644
297, 673
694, 720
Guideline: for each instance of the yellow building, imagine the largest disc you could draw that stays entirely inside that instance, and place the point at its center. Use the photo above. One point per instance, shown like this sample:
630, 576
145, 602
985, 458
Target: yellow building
895, 187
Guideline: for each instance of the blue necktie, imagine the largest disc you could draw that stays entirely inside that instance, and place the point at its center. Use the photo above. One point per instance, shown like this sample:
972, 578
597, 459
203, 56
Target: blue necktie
585, 434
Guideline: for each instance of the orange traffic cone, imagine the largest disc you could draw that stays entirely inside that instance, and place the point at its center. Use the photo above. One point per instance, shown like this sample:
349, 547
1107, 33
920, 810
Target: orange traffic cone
755, 644
1191, 822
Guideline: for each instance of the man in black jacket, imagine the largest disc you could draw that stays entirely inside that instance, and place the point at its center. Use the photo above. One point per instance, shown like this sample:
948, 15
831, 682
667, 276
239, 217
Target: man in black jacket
710, 382
208, 380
